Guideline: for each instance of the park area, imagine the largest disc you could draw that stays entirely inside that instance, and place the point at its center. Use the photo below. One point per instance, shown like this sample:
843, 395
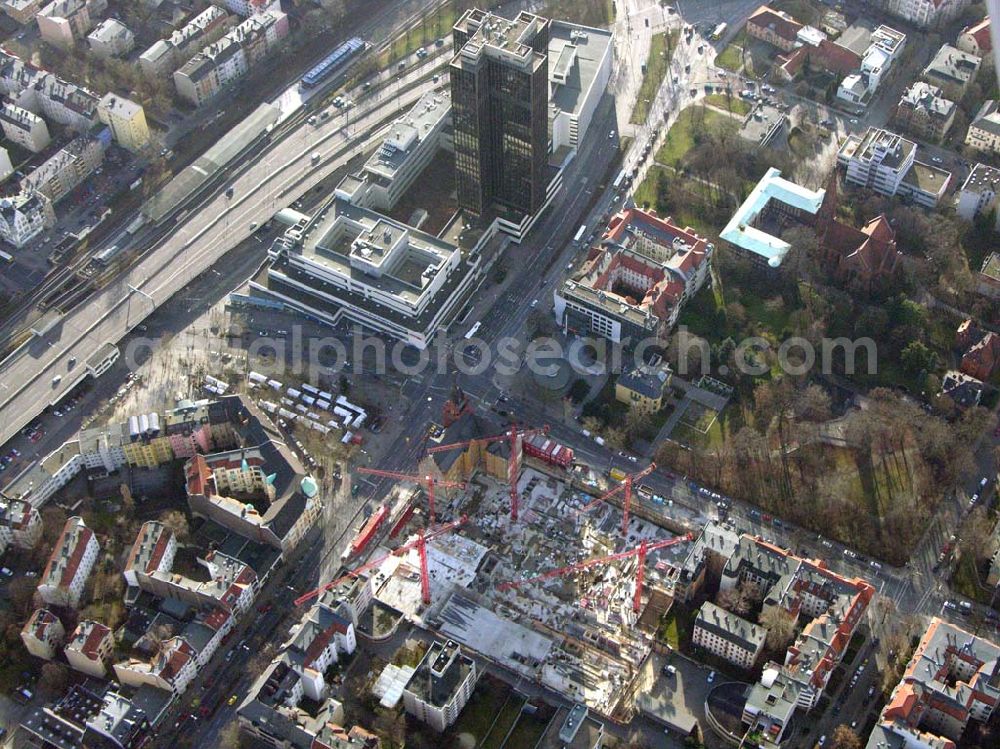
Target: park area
661, 51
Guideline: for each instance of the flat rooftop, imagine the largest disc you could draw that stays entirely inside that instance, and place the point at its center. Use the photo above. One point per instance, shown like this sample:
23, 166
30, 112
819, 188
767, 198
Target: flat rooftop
575, 57
740, 230
406, 134
494, 36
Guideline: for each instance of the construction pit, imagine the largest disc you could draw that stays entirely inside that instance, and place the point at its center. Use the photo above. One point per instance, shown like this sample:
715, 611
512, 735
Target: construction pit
575, 633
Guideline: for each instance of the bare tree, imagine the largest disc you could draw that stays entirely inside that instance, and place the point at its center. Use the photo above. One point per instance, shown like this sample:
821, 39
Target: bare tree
53, 679
177, 522
780, 626
845, 738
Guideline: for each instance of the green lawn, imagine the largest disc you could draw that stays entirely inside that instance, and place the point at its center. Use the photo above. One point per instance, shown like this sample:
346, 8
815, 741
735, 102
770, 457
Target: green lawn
683, 133
965, 581
731, 58
661, 49
528, 731
675, 627
479, 713
733, 104
505, 720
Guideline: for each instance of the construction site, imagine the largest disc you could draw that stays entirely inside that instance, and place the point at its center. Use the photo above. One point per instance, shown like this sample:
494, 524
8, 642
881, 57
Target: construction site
529, 562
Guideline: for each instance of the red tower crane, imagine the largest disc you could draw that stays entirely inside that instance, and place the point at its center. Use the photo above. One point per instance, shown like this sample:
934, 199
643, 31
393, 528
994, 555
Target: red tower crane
641, 550
428, 482
513, 465
627, 500
420, 544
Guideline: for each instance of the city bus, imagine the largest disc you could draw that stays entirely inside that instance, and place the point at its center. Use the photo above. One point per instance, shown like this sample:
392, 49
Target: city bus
579, 233
719, 31
473, 330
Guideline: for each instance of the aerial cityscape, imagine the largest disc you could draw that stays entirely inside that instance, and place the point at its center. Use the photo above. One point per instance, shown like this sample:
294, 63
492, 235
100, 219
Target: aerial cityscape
499, 374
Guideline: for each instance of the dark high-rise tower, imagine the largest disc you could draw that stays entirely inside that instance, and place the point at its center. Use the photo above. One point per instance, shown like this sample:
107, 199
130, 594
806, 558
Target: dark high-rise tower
500, 101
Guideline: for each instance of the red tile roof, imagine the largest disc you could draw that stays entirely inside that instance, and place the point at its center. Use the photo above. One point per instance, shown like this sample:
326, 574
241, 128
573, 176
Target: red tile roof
96, 635
781, 24
981, 33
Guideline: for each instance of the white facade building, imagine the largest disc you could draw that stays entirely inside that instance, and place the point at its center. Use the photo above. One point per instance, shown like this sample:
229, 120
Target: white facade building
111, 38
25, 216
441, 685
25, 128
69, 566
43, 634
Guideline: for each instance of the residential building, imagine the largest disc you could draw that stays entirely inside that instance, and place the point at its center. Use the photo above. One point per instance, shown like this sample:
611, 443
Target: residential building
926, 13
924, 112
22, 11
231, 584
728, 636
775, 27
260, 491
884, 49
126, 120
69, 566
110, 39
166, 55
579, 71
272, 712
981, 350
979, 192
407, 149
90, 648
20, 524
988, 278
751, 229
984, 131
635, 283
63, 102
26, 129
885, 162
171, 669
950, 679
831, 608
964, 391
824, 54
952, 70
708, 555
47, 476
975, 39
222, 63
354, 264
6, 167
87, 717
247, 8
644, 387
43, 634
68, 167
441, 685
318, 641
500, 101
62, 22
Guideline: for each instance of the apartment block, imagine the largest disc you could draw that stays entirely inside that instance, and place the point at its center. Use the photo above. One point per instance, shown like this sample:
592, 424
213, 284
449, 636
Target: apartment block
644, 387
62, 22
832, 607
166, 55
635, 283
171, 669
225, 61
728, 636
979, 192
975, 39
6, 167
924, 112
24, 216
110, 39
247, 8
926, 14
22, 11
951, 679
441, 685
885, 162
68, 167
318, 641
90, 648
984, 131
69, 566
20, 524
87, 716
886, 46
43, 634
952, 70
24, 128
126, 120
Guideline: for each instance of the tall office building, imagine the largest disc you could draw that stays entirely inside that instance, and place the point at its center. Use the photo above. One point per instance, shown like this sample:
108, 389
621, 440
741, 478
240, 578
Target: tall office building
500, 101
